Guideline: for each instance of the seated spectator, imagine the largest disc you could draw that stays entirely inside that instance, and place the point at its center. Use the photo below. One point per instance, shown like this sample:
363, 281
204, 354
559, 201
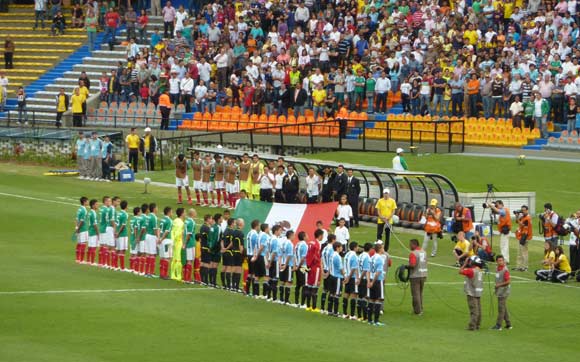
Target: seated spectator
78, 18
58, 23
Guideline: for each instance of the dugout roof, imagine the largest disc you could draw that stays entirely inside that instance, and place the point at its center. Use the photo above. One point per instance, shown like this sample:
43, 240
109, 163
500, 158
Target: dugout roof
411, 187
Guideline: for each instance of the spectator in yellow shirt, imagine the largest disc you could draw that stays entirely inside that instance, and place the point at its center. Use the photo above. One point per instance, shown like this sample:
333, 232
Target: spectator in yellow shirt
133, 140
471, 35
318, 99
77, 100
462, 248
385, 207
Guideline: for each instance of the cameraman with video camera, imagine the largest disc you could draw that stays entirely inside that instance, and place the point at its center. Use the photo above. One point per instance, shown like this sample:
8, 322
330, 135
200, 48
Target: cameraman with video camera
462, 220
573, 225
549, 222
504, 226
524, 235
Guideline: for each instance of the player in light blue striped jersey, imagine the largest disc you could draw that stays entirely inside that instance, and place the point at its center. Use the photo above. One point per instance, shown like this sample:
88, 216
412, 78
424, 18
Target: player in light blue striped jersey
336, 276
286, 266
250, 247
364, 267
300, 268
376, 293
260, 256
351, 281
327, 252
272, 264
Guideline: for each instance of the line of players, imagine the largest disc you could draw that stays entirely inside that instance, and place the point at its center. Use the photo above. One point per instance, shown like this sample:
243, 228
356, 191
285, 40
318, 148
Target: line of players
271, 255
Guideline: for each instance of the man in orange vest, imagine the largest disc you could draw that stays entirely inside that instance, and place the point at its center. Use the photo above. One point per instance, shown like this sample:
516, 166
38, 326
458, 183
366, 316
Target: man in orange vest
432, 227
524, 235
549, 221
463, 217
504, 226
165, 108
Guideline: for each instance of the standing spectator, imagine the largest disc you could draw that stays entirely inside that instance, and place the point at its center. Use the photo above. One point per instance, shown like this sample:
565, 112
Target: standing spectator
439, 84
517, 111
285, 100
299, 100
186, 91
155, 7
62, 102
258, 98
541, 111
22, 112
55, 7
359, 90
572, 111
318, 99
291, 186
313, 186
339, 183
486, 93
473, 94
142, 22
39, 12
96, 164
174, 85
211, 98
352, 194
91, 24
130, 21
370, 85
382, 88
406, 88
132, 141
77, 101
457, 91
148, 148
112, 20
9, 48
168, 13
113, 88
270, 98
267, 183
200, 96
3, 90
222, 61
165, 109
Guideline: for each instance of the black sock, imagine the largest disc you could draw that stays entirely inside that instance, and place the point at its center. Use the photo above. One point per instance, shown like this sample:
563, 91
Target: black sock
274, 287
344, 305
228, 281
236, 280
213, 276
249, 284
308, 293
282, 297
359, 308
364, 307
296, 294
377, 311
335, 304
266, 289
330, 303
370, 309
323, 300
303, 295
203, 272
314, 297
352, 306
255, 288
223, 278
287, 294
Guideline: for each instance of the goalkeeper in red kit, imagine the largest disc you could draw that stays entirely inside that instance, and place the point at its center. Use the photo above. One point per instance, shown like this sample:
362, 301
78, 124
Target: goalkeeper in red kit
313, 264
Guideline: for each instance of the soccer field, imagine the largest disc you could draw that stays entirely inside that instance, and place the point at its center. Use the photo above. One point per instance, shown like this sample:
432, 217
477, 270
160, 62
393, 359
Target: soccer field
52, 309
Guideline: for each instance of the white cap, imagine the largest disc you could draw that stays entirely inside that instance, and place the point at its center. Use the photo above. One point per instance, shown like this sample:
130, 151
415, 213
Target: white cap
379, 242
147, 129
386, 191
399, 150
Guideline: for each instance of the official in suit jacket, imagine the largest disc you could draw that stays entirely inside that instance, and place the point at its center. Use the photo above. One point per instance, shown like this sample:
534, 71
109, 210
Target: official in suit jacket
291, 185
339, 185
299, 98
327, 183
285, 100
352, 194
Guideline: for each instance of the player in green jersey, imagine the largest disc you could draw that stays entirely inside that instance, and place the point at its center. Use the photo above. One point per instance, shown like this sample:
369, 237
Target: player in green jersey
144, 219
82, 230
135, 235
213, 242
151, 239
164, 243
189, 245
111, 232
93, 222
121, 235
104, 215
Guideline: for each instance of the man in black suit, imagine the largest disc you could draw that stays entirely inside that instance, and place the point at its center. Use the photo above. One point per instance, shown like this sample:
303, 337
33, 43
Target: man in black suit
327, 183
299, 99
352, 194
285, 100
339, 185
291, 185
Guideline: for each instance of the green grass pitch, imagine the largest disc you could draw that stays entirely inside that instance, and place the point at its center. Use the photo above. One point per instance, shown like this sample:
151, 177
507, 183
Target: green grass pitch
52, 309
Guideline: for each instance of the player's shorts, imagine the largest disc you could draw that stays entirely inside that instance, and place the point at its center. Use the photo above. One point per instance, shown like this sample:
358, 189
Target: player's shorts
141, 247
206, 186
260, 267
150, 244
351, 287
313, 277
134, 248
246, 185
216, 257
286, 274
251, 265
103, 239
93, 241
376, 291
166, 249
83, 237
227, 258
110, 236
189, 254
218, 185
255, 189
362, 289
237, 259
274, 270
182, 182
205, 255
300, 278
122, 242
196, 185
335, 285
233, 188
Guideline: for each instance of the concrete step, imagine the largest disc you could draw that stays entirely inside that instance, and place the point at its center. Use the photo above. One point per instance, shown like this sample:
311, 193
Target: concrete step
75, 74
43, 35
110, 62
92, 68
46, 50
32, 57
22, 71
38, 116
51, 44
108, 53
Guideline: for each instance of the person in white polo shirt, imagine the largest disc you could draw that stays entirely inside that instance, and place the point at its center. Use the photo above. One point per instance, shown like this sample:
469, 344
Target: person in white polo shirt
399, 163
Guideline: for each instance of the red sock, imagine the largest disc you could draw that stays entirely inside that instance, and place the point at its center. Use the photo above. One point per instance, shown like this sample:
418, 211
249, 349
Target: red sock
179, 198
114, 259
92, 252
225, 196
78, 252
121, 263
189, 271
106, 256
197, 196
83, 250
161, 268
205, 197
142, 264
151, 270
219, 197
102, 259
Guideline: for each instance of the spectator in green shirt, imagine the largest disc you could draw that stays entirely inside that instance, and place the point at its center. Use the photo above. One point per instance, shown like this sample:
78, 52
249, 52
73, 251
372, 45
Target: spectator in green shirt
359, 90
370, 92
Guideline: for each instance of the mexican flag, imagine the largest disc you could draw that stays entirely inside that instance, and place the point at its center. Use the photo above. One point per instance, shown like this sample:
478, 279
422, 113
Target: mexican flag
296, 217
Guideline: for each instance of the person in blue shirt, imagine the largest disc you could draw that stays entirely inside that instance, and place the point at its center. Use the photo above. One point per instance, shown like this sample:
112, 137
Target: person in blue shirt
107, 155
351, 281
155, 38
82, 156
364, 267
251, 248
327, 252
336, 277
259, 258
300, 269
96, 166
286, 266
272, 267
375, 280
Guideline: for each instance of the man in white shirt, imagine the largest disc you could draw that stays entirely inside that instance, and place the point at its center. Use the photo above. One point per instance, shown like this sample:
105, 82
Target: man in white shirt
222, 61
187, 91
302, 15
341, 232
399, 163
279, 178
382, 88
267, 183
312, 186
204, 70
174, 88
200, 96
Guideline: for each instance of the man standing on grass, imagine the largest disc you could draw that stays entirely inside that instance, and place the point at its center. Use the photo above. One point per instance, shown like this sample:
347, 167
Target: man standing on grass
196, 168
385, 207
286, 266
164, 243
273, 262
473, 288
326, 257
103, 235
300, 267
151, 240
111, 231
260, 260
132, 140
417, 274
93, 221
143, 224
82, 230
502, 291
121, 234
214, 247
252, 248
226, 244
376, 279
313, 277
364, 265
96, 164
82, 152
189, 244
176, 271
351, 281
336, 277
238, 251
181, 179
205, 230
135, 225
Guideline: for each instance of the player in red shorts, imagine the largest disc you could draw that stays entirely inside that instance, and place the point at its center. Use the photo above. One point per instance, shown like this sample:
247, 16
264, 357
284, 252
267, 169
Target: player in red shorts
313, 263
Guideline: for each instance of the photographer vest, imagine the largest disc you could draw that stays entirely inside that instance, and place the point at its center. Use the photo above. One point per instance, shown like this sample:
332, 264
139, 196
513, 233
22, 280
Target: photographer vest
500, 278
474, 286
505, 221
433, 224
525, 229
420, 268
549, 231
180, 168
467, 225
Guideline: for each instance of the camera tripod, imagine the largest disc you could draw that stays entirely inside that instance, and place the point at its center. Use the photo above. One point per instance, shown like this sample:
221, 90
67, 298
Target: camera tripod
490, 196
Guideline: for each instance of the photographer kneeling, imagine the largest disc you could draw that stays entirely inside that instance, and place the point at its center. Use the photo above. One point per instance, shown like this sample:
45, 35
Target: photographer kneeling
462, 249
524, 235
504, 226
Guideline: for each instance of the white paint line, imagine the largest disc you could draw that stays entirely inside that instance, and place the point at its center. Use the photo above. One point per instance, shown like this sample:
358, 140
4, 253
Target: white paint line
79, 291
36, 199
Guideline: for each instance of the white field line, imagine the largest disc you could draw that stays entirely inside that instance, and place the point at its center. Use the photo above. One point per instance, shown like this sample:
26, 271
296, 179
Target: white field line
83, 291
37, 199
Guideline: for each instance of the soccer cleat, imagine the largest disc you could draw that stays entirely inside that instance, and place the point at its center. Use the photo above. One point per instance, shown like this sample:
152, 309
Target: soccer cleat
361, 319
508, 327
315, 310
302, 306
433, 255
353, 318
379, 324
496, 328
